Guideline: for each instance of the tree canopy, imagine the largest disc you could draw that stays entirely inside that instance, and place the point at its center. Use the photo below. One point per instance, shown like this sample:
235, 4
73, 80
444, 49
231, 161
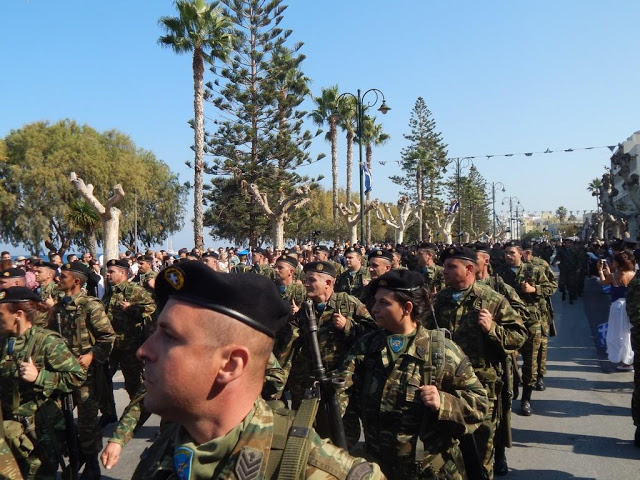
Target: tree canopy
38, 203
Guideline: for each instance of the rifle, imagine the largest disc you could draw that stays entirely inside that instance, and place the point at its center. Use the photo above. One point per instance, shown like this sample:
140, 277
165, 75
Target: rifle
328, 395
552, 324
70, 432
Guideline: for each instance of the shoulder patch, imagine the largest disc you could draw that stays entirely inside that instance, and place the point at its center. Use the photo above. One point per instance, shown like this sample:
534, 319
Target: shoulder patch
249, 463
182, 462
360, 471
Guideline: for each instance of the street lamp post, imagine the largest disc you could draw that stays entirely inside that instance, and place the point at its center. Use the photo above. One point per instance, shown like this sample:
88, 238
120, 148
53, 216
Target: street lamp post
461, 163
511, 201
360, 108
493, 203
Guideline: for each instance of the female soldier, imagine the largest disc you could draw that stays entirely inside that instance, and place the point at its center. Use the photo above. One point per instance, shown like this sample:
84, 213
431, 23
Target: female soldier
35, 369
407, 383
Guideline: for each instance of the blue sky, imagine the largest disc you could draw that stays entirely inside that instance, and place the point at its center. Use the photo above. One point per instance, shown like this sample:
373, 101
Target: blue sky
498, 76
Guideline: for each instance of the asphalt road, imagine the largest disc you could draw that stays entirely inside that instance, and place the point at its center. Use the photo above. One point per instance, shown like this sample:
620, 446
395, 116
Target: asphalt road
581, 427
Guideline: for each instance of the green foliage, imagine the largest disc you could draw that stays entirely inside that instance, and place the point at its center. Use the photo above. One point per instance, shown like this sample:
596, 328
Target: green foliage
37, 201
561, 213
475, 204
533, 235
260, 136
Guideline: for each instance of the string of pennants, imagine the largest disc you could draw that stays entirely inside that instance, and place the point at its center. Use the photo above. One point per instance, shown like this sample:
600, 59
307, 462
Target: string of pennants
528, 154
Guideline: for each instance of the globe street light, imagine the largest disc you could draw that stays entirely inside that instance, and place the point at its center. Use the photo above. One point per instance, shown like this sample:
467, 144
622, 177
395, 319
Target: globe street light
361, 106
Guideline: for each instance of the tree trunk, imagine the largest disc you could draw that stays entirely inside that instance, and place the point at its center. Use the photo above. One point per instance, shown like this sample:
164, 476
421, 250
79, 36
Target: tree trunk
399, 234
369, 155
419, 198
277, 230
334, 164
350, 136
111, 229
198, 134
353, 233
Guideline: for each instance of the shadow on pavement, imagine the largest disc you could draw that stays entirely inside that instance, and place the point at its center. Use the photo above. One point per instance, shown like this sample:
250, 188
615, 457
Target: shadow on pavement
582, 444
624, 385
546, 474
571, 408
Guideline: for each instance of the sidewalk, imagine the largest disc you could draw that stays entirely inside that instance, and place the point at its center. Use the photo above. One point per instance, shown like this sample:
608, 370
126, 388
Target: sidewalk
581, 427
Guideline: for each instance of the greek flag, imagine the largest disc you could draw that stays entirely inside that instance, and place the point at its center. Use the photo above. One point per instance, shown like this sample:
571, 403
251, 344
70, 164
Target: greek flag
454, 207
368, 179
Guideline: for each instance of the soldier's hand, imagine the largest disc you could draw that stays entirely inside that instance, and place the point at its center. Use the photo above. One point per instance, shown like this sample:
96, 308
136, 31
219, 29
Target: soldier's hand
151, 282
50, 301
430, 396
28, 371
294, 307
124, 305
85, 360
485, 319
365, 282
339, 321
526, 288
110, 456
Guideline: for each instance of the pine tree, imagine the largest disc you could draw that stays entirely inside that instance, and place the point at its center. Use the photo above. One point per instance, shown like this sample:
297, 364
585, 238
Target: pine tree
424, 162
475, 205
260, 138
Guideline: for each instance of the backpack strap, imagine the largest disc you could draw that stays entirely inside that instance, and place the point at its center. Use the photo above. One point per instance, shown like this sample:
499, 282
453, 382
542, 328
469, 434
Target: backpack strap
281, 423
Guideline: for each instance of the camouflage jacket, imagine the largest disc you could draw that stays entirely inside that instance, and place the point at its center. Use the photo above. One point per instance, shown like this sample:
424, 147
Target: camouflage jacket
263, 269
433, 277
293, 293
384, 394
50, 290
338, 266
633, 311
58, 371
142, 279
353, 284
250, 445
507, 291
534, 276
485, 350
128, 324
291, 350
242, 267
85, 326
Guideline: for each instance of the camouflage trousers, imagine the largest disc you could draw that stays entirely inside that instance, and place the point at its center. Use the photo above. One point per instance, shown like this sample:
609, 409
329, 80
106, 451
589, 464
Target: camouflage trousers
8, 465
484, 437
87, 401
542, 356
530, 352
131, 368
635, 397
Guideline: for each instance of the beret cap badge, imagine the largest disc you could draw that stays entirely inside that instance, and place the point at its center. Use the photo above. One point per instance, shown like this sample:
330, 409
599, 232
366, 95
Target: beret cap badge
5, 274
174, 277
379, 252
320, 267
2, 295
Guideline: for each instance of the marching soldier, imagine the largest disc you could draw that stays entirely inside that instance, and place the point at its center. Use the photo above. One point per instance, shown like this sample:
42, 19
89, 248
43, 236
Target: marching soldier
321, 254
12, 277
261, 264
36, 369
433, 274
411, 386
485, 326
291, 291
88, 334
222, 428
146, 276
633, 311
128, 307
355, 277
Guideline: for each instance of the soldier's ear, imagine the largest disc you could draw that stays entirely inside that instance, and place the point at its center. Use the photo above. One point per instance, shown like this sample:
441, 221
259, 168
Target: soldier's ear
407, 308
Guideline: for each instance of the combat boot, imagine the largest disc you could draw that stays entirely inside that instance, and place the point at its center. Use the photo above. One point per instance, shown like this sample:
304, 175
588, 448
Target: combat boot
525, 405
540, 384
91, 468
500, 467
636, 440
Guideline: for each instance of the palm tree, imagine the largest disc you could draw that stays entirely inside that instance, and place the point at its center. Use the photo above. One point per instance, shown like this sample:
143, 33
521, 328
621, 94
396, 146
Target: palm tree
325, 106
594, 188
348, 124
203, 29
561, 213
372, 135
86, 220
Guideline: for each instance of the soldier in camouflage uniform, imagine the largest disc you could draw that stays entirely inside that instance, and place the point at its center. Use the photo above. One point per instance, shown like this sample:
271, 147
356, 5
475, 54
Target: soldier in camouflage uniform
146, 277
355, 277
9, 467
433, 274
48, 289
533, 287
12, 277
87, 332
291, 291
242, 266
485, 326
633, 311
36, 368
128, 306
204, 370
380, 262
321, 254
410, 385
261, 264
546, 318
569, 261
397, 260
342, 318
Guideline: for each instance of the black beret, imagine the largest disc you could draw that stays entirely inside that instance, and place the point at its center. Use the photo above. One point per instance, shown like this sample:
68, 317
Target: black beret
353, 250
118, 263
527, 245
49, 265
18, 294
481, 247
183, 250
210, 254
12, 273
197, 284
259, 250
398, 280
462, 253
291, 253
76, 267
293, 261
146, 258
321, 248
321, 267
380, 253
513, 243
428, 246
